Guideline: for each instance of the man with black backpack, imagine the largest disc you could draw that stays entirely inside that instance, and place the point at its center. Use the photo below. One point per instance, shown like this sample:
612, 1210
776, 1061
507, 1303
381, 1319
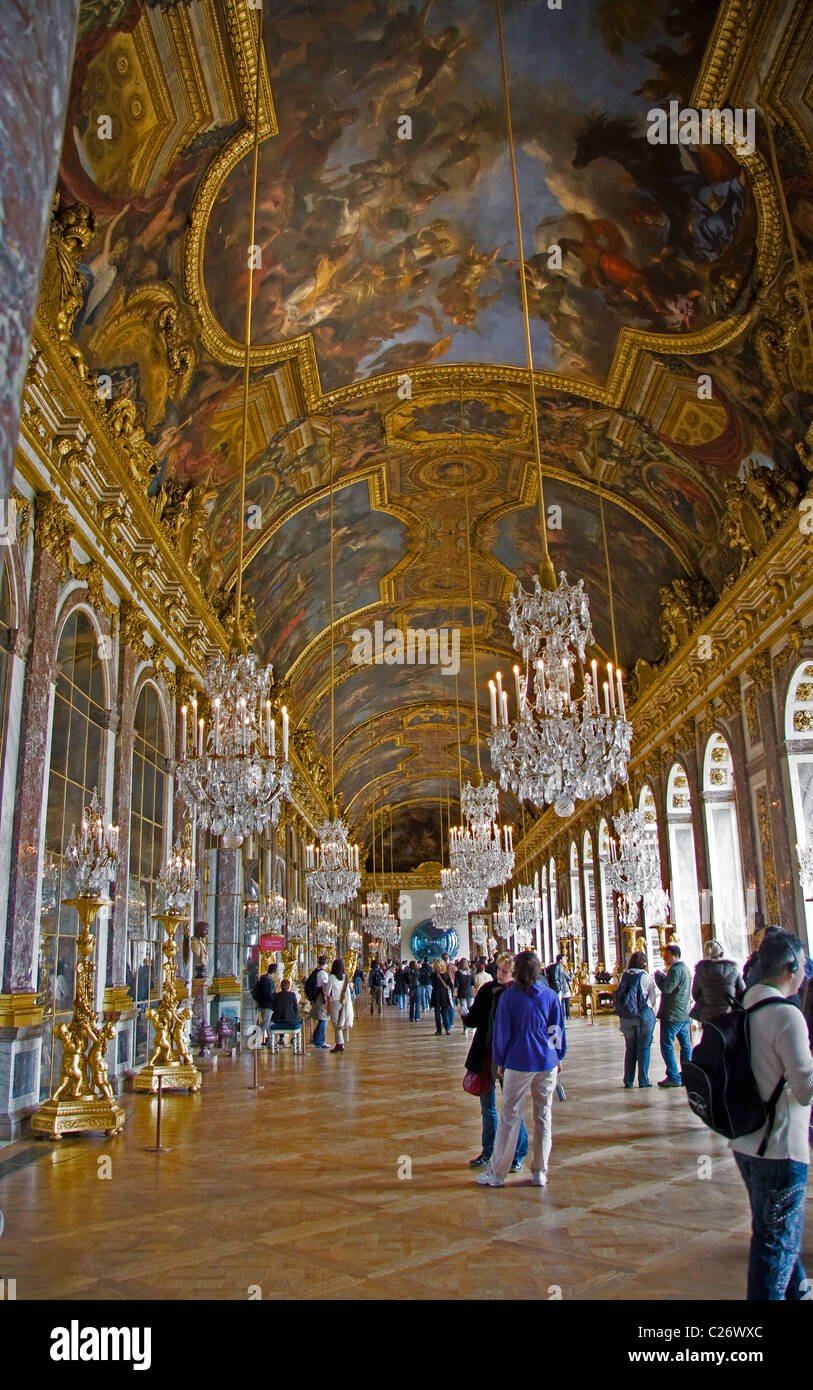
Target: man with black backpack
773, 1159
315, 993
375, 980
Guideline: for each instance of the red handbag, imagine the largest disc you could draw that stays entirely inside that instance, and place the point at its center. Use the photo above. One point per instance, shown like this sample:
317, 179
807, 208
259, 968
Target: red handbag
479, 1083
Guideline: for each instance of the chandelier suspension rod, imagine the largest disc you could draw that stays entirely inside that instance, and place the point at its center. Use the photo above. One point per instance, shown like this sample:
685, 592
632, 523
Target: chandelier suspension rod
457, 713
238, 638
372, 763
471, 601
546, 573
778, 184
332, 651
604, 532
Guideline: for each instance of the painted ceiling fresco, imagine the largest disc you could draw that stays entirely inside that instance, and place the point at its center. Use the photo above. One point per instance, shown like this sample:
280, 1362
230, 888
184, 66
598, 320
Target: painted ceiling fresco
386, 255
400, 252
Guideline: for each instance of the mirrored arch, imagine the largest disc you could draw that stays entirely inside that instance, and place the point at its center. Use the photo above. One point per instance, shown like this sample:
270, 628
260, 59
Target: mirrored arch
725, 860
683, 864
799, 743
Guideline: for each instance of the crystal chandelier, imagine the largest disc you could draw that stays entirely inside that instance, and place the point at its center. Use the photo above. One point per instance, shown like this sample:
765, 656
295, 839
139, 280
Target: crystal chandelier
503, 920
374, 911
475, 849
333, 865
177, 879
463, 893
324, 932
634, 869
297, 925
479, 935
392, 929
527, 914
233, 778
93, 854
570, 927
561, 747
447, 914
804, 854
272, 916
355, 940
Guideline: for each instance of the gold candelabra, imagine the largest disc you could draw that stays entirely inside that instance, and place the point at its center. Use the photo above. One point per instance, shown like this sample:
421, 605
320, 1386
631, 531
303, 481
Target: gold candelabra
83, 1099
171, 1057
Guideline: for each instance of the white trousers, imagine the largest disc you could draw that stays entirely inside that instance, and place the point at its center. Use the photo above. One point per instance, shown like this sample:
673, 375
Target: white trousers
335, 1014
515, 1088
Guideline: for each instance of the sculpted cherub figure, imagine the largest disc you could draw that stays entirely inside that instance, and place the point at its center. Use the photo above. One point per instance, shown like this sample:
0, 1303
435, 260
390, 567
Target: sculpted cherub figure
97, 1061
72, 1082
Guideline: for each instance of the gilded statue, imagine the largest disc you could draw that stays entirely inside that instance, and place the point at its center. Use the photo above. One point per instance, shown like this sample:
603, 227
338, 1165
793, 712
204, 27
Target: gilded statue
71, 230
684, 604
184, 514
161, 1019
72, 1078
179, 1031
122, 415
97, 1060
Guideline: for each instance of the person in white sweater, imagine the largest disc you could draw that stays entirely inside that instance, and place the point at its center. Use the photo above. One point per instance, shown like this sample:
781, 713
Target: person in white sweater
777, 1182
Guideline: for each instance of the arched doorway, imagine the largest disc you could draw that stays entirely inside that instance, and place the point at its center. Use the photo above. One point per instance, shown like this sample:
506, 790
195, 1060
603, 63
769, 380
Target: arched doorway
609, 933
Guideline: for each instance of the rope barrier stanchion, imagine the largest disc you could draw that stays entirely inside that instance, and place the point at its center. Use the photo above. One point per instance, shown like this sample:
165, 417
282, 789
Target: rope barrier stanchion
158, 1147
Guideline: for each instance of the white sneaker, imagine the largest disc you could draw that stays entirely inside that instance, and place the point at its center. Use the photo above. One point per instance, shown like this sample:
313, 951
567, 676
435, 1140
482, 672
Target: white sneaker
538, 1178
489, 1179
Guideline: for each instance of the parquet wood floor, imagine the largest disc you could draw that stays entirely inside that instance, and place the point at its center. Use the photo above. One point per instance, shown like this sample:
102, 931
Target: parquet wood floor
296, 1188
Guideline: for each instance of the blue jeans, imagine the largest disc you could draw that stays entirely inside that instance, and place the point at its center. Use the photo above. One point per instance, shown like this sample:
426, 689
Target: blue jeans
488, 1108
423, 997
444, 1017
638, 1038
414, 1006
319, 1032
777, 1190
683, 1033
402, 1001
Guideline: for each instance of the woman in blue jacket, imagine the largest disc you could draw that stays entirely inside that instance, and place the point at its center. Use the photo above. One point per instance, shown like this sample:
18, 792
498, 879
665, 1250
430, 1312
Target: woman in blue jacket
527, 1046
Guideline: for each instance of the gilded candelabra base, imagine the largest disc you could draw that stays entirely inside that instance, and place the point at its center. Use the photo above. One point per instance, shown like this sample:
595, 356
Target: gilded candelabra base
77, 1114
178, 1076
171, 1058
83, 1100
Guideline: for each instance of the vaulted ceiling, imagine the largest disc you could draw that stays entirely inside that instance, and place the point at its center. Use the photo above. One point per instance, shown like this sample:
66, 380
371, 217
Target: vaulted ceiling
385, 258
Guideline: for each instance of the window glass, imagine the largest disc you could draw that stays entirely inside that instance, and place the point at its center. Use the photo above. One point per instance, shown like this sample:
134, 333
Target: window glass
147, 854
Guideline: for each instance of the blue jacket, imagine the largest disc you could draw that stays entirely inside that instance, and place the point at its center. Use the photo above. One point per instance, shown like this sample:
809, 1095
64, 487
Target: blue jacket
529, 1029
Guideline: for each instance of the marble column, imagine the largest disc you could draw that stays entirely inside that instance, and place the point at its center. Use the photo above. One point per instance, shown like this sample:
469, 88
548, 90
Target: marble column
36, 58
22, 938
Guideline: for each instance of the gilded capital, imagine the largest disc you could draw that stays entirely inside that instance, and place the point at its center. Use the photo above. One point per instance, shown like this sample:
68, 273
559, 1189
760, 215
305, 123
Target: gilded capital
53, 530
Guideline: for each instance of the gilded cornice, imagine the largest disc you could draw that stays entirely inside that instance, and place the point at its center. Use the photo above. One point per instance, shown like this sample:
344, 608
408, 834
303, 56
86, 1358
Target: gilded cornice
425, 876
53, 530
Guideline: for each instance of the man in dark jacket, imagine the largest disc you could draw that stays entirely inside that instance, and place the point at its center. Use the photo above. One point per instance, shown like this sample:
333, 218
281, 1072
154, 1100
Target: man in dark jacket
375, 980
285, 1010
481, 1018
426, 984
264, 992
675, 985
717, 984
413, 975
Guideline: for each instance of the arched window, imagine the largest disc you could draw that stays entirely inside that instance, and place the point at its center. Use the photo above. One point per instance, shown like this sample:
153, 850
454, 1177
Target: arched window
148, 819
609, 934
725, 864
76, 770
590, 917
547, 933
683, 865
799, 741
553, 904
576, 903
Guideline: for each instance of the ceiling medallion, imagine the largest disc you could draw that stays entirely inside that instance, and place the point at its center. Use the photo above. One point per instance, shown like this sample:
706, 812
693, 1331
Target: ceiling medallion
562, 747
233, 779
332, 866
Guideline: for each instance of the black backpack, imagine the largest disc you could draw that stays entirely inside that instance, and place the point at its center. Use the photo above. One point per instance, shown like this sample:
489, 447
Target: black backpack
311, 989
720, 1085
629, 997
256, 994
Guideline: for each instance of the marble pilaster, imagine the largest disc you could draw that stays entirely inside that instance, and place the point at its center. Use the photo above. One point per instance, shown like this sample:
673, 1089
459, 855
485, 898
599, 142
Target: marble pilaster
780, 815
14, 711
36, 59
